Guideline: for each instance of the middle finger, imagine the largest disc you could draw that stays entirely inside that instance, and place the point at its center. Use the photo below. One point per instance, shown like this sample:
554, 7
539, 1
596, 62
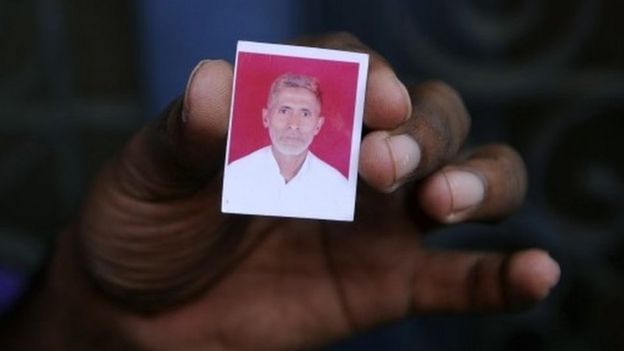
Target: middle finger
431, 137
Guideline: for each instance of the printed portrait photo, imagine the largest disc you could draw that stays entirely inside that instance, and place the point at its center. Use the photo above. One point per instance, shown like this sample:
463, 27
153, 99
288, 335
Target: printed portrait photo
294, 133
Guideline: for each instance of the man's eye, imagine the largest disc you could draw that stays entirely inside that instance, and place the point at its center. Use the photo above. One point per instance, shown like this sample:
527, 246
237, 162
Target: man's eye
283, 110
306, 114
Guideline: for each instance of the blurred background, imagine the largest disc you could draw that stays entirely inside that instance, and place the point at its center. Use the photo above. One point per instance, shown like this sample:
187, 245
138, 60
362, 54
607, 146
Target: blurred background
78, 77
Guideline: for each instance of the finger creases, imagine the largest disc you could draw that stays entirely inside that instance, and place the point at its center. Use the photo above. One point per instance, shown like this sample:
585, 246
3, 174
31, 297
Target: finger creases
463, 282
490, 184
151, 228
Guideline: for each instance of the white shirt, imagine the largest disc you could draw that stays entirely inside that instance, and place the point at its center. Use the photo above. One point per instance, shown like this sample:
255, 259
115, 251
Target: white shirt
253, 185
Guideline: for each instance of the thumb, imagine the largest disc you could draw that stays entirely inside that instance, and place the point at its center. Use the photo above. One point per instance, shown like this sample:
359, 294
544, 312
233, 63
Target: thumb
203, 121
176, 154
148, 226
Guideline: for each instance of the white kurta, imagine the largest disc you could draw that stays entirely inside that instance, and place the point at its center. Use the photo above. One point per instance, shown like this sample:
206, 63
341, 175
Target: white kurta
253, 185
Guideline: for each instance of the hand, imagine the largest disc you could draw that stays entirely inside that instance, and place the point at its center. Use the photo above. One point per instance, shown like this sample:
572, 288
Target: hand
152, 262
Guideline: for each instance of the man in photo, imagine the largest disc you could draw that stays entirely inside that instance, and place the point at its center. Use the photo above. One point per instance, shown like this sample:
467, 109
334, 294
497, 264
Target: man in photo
285, 177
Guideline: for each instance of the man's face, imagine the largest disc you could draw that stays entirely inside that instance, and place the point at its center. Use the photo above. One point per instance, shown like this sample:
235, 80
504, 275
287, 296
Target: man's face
293, 119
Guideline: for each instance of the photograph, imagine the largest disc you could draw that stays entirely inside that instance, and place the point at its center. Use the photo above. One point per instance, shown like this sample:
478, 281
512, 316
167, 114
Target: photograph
294, 132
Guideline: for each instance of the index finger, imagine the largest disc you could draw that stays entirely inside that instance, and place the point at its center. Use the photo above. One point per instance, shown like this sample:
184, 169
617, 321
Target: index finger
387, 100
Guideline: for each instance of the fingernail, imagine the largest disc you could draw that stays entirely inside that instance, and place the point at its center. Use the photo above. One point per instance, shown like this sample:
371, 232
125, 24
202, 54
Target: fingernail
553, 272
194, 72
407, 98
405, 153
188, 85
532, 275
467, 191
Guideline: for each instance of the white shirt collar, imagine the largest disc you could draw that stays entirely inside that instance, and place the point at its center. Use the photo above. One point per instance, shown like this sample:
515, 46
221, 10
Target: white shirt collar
275, 166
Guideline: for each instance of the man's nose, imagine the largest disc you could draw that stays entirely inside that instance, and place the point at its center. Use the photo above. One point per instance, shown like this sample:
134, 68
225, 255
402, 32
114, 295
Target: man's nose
293, 121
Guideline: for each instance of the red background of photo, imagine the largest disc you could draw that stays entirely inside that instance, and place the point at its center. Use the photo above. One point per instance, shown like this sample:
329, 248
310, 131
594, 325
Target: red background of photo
338, 84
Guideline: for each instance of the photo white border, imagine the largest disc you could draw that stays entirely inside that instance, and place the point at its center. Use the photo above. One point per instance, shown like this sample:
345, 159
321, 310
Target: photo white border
311, 53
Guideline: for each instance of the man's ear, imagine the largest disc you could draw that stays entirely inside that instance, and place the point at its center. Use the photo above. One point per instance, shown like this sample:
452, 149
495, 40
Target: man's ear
319, 124
265, 118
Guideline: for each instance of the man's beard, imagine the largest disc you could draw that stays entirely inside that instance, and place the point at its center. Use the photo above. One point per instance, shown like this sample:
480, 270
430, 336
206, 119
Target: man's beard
291, 145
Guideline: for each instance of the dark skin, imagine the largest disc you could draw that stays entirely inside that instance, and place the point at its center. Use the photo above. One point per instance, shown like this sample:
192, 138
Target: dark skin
152, 264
